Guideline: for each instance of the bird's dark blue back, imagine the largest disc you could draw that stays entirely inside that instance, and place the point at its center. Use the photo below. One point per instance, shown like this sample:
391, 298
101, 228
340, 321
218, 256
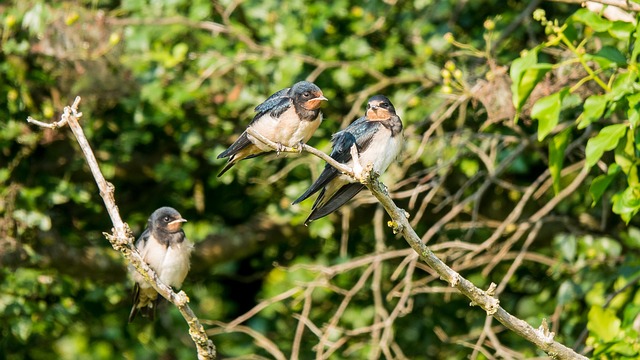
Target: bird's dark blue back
275, 105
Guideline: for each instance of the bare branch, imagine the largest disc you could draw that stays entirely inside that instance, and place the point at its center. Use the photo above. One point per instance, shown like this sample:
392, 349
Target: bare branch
622, 4
541, 337
121, 238
477, 296
304, 147
260, 340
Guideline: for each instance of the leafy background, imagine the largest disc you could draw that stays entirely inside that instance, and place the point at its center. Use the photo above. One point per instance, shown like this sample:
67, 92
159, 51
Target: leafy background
520, 168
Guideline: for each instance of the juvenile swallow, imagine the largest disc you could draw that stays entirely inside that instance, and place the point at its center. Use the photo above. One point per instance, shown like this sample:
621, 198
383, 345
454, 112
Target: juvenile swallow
378, 139
165, 248
289, 117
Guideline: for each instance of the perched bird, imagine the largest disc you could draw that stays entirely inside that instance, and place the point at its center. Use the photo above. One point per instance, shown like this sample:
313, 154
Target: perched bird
378, 139
289, 117
165, 248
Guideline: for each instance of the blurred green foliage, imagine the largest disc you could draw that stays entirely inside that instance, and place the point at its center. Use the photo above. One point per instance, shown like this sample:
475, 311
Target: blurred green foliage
168, 85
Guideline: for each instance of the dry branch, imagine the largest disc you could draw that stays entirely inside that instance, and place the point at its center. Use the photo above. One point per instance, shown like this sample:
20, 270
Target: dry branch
622, 4
121, 237
540, 337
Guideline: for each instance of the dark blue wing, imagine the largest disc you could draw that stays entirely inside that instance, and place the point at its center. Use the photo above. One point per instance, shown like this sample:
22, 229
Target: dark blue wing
142, 240
360, 133
237, 145
342, 142
363, 131
275, 105
341, 196
274, 97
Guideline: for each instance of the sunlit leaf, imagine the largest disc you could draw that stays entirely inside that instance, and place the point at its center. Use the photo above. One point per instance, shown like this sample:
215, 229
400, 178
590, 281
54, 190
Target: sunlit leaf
594, 107
607, 139
525, 74
623, 84
627, 203
547, 111
634, 110
592, 19
557, 146
632, 237
603, 323
600, 184
625, 157
636, 45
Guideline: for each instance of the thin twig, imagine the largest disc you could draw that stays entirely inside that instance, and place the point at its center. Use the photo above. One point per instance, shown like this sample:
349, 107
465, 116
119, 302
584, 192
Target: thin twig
303, 319
260, 340
263, 304
121, 238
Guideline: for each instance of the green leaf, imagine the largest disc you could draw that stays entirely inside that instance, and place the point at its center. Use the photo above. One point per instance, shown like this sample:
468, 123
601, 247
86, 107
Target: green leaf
622, 85
632, 239
622, 348
608, 247
603, 324
636, 45
566, 245
621, 30
525, 74
625, 156
627, 203
343, 78
634, 109
557, 146
567, 292
200, 10
469, 167
611, 55
593, 20
607, 139
547, 111
179, 53
594, 107
600, 184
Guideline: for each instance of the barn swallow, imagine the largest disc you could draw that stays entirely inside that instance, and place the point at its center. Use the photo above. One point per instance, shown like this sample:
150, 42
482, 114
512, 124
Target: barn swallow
378, 139
289, 117
165, 248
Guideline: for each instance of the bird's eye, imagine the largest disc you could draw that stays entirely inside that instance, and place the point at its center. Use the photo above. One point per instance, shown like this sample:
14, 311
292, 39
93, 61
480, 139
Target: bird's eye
385, 105
166, 219
306, 94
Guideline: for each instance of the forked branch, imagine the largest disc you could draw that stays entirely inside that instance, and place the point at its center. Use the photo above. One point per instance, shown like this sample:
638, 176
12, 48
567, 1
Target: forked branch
121, 237
540, 337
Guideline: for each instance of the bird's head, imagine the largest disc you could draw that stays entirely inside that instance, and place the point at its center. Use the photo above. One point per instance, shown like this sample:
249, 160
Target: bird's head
166, 219
308, 95
379, 108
